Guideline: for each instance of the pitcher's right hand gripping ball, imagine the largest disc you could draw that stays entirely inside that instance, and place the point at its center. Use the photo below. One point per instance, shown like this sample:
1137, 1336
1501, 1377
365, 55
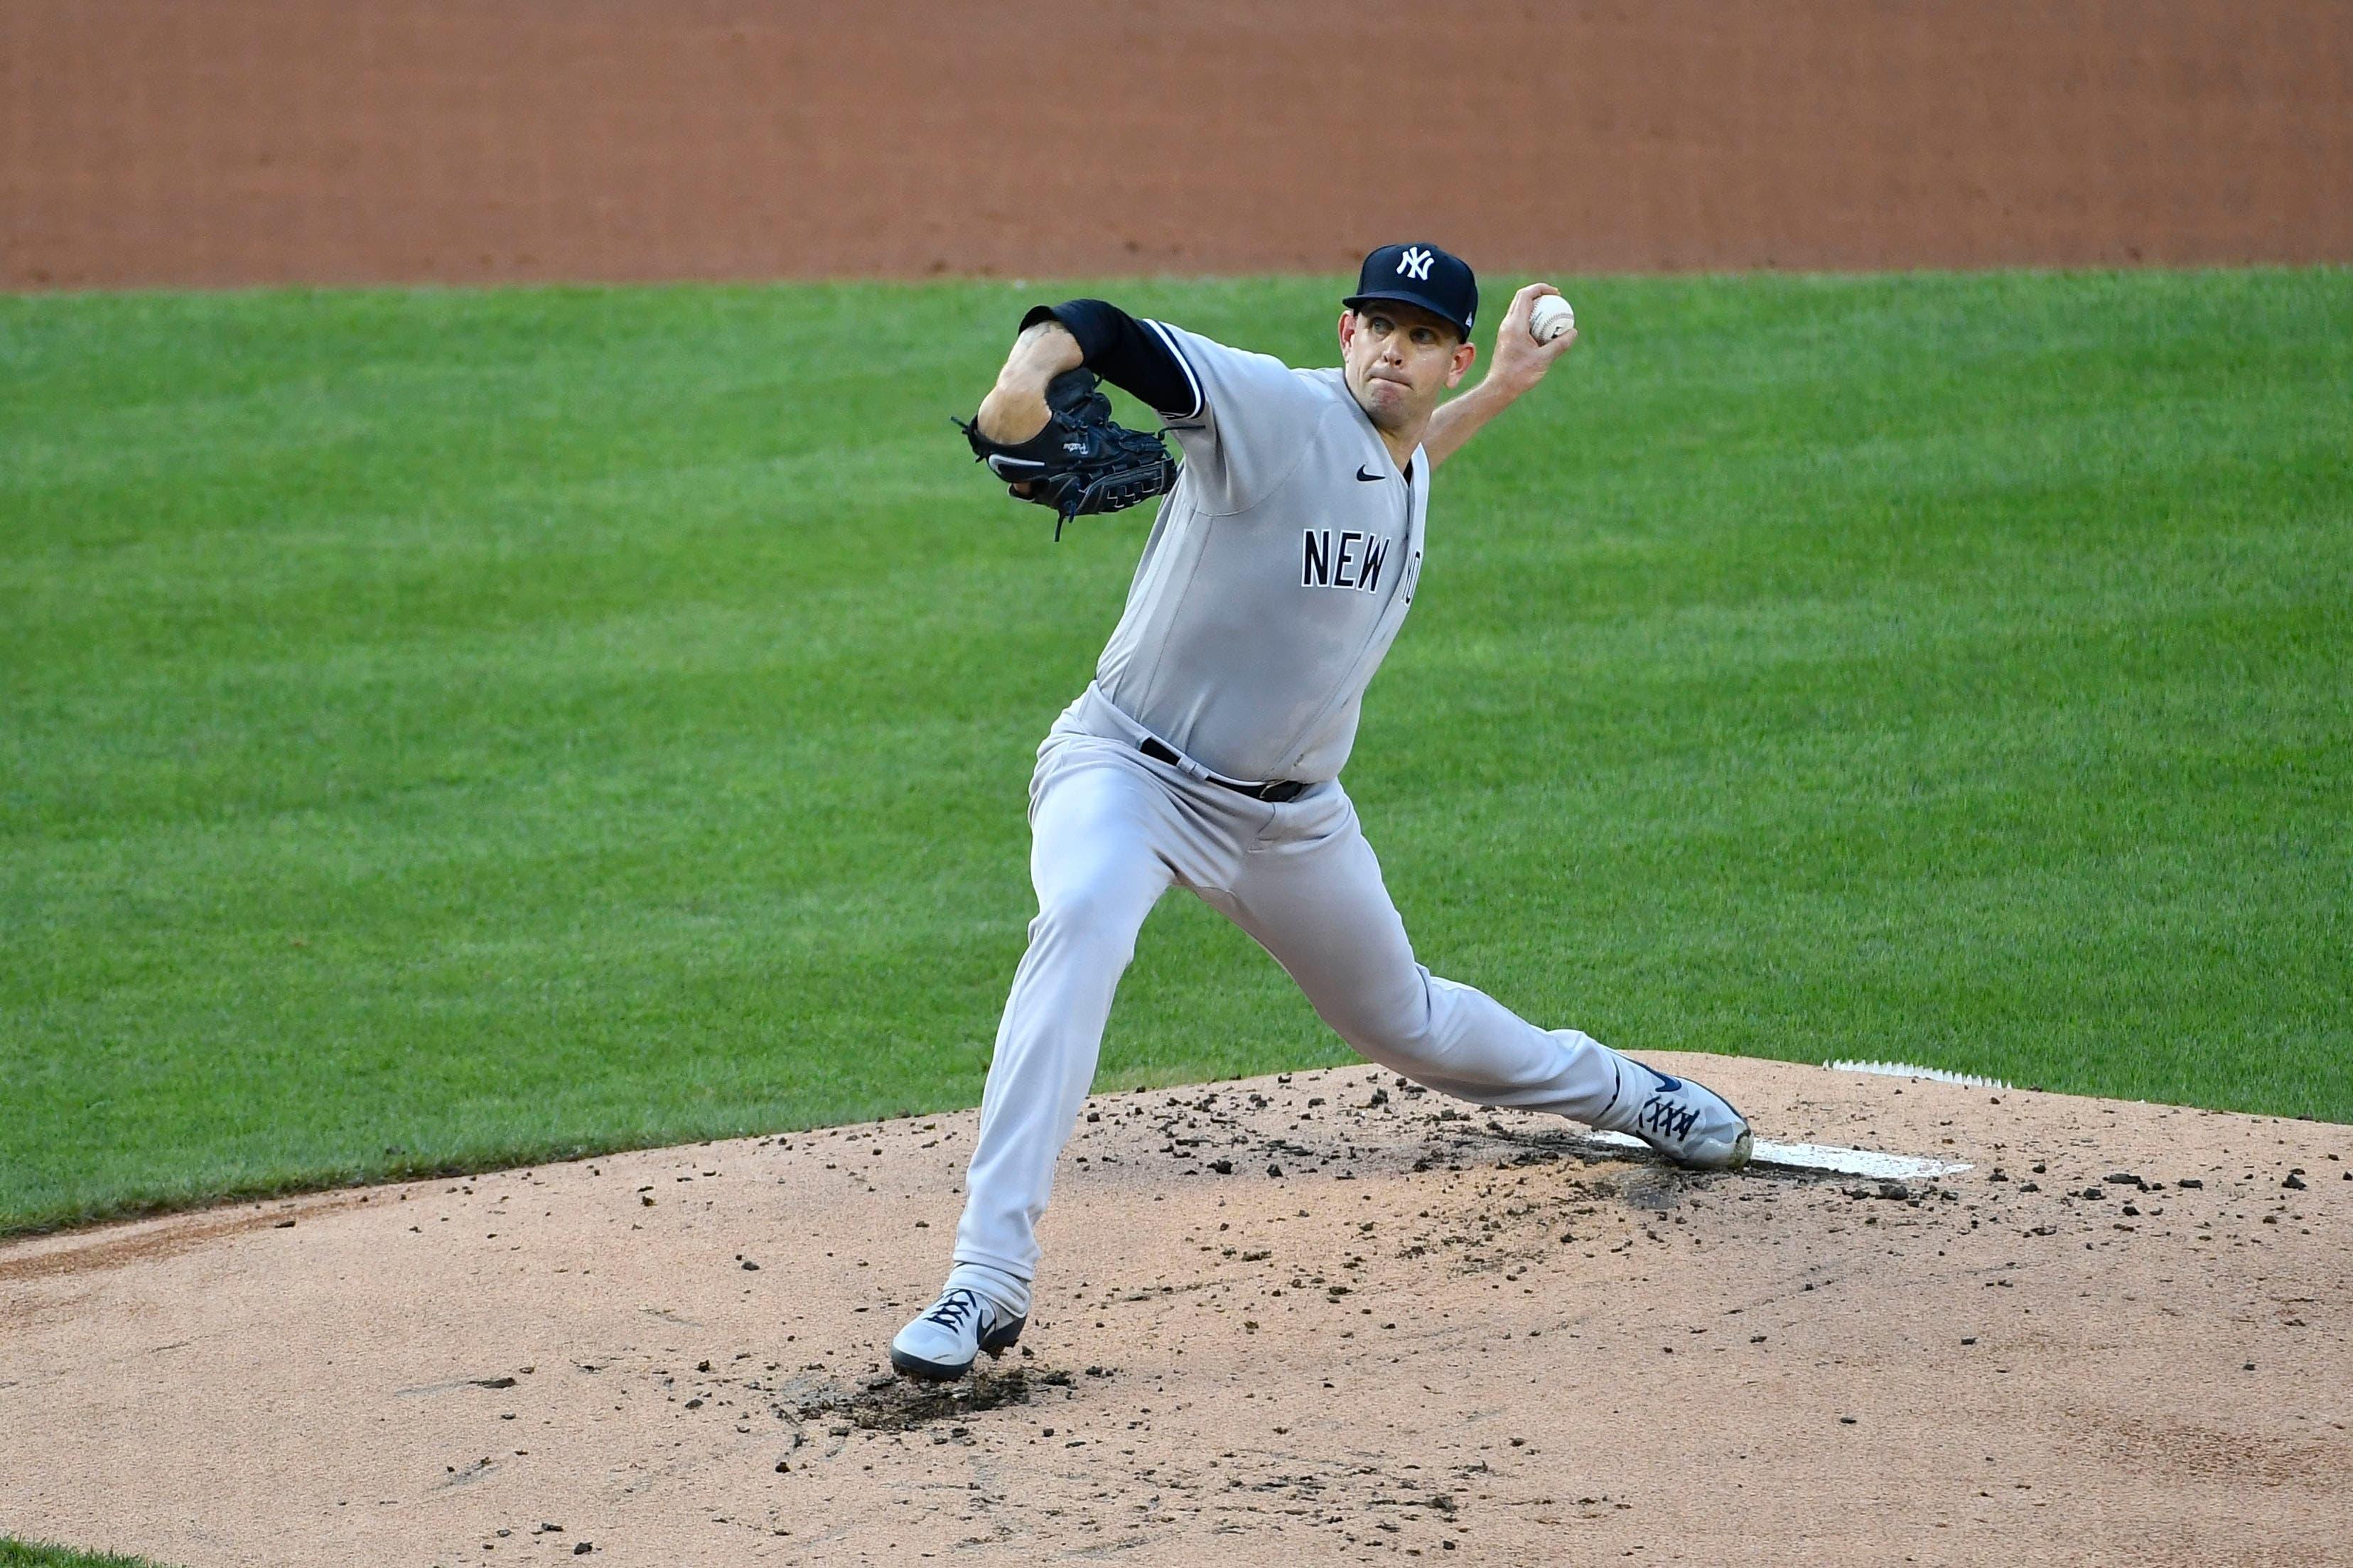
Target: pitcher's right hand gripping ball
1080, 463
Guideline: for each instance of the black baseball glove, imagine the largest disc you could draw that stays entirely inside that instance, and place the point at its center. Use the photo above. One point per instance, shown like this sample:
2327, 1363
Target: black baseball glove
1080, 463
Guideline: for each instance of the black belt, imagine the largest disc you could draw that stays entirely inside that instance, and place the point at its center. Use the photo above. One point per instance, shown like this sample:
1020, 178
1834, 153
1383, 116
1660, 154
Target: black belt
1287, 789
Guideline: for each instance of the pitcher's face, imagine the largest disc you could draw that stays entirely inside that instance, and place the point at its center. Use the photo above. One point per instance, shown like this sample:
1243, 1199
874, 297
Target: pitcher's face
1399, 359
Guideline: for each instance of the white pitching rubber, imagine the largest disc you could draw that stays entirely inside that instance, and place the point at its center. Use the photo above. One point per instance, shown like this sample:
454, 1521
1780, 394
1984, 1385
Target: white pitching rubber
1824, 1157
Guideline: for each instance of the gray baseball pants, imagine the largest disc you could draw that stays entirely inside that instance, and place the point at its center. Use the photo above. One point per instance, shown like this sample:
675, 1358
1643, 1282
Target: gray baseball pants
1112, 830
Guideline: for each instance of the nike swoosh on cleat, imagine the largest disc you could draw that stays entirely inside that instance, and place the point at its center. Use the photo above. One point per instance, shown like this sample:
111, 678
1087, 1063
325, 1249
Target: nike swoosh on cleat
1668, 1084
1368, 478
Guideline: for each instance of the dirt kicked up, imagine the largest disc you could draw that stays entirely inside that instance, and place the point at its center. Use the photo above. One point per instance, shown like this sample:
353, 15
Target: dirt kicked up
1282, 1320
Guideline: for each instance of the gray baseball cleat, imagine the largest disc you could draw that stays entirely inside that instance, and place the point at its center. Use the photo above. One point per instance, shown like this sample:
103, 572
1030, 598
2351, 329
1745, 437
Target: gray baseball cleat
942, 1340
1688, 1123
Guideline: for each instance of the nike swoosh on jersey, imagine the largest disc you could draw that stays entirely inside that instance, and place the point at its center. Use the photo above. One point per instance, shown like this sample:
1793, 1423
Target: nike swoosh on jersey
1368, 478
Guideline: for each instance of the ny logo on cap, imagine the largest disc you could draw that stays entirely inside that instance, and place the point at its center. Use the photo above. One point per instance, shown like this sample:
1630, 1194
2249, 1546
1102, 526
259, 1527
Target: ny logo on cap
1415, 263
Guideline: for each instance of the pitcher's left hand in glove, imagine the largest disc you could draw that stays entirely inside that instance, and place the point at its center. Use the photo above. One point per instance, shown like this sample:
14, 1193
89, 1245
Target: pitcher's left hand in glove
1080, 463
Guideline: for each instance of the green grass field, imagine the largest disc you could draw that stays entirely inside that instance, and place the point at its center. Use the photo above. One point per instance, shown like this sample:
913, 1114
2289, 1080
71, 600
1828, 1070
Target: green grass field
27, 1554
444, 730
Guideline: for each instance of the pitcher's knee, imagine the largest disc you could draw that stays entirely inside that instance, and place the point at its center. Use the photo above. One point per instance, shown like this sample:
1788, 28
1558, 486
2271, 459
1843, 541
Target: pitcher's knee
1401, 1027
1085, 924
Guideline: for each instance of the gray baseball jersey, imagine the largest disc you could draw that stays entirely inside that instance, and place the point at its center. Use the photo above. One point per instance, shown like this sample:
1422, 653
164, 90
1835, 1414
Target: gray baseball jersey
1277, 576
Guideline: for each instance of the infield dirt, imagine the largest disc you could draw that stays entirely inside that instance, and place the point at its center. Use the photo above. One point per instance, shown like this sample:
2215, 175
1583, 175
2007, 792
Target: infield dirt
241, 142
1287, 1319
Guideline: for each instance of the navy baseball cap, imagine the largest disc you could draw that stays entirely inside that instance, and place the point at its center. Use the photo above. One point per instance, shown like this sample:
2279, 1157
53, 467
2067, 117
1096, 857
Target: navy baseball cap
1420, 275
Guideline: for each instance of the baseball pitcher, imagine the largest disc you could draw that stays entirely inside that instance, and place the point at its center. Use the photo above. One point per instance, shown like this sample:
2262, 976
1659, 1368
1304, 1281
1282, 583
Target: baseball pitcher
1206, 751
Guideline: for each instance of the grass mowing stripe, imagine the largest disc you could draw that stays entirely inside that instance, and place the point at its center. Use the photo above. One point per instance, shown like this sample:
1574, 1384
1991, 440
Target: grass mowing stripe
444, 729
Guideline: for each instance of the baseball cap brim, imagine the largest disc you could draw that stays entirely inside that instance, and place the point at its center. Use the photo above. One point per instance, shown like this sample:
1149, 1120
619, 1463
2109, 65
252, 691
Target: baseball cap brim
1402, 296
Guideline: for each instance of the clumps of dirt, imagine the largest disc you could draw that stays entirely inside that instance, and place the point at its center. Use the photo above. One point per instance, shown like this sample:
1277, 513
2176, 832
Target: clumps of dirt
891, 1404
1397, 1124
1903, 1192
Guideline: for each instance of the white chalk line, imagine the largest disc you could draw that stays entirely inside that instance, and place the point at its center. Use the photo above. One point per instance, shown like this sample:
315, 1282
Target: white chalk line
1914, 1070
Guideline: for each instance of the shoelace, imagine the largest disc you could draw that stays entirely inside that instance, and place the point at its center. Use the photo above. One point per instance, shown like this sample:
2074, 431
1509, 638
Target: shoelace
1663, 1116
949, 1312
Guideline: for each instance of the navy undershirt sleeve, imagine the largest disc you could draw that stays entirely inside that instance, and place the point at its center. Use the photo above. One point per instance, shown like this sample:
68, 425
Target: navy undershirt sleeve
1126, 353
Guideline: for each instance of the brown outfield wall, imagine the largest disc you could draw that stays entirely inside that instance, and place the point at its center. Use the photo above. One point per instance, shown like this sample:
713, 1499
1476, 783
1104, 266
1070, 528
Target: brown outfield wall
232, 142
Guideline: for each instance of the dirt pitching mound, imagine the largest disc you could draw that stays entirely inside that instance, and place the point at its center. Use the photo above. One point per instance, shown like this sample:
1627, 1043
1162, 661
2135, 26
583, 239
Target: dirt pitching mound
1288, 1320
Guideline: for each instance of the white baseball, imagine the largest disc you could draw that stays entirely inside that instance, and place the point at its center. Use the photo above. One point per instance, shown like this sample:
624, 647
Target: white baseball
1551, 318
